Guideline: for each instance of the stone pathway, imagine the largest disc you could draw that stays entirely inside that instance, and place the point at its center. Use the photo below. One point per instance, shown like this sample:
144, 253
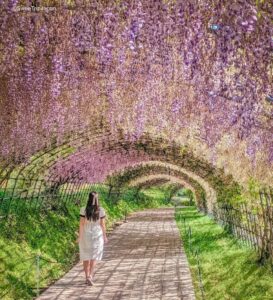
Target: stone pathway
142, 260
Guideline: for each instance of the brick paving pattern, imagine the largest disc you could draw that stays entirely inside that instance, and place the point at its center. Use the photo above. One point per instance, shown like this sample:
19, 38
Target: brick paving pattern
143, 260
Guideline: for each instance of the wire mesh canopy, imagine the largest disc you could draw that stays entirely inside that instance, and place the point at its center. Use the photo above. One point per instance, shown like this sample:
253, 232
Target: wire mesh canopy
89, 88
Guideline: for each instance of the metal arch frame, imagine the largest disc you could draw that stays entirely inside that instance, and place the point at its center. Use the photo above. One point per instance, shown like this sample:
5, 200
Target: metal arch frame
175, 155
157, 148
160, 176
150, 182
81, 134
156, 182
150, 145
54, 151
175, 182
143, 169
25, 173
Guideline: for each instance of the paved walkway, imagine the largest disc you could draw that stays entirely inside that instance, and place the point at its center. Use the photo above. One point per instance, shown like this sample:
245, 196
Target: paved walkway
142, 260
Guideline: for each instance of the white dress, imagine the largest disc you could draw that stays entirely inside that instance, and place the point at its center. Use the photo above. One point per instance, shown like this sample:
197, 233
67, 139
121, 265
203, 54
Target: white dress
91, 243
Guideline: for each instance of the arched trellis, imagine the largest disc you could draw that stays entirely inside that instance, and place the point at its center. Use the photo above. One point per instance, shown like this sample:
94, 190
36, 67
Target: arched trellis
155, 149
148, 182
225, 75
98, 142
172, 62
205, 193
176, 183
40, 161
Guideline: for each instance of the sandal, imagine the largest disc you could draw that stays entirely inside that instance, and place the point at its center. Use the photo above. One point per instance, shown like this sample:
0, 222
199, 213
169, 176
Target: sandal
89, 281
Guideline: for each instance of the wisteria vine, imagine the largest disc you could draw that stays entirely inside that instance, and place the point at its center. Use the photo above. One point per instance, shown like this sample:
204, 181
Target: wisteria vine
159, 66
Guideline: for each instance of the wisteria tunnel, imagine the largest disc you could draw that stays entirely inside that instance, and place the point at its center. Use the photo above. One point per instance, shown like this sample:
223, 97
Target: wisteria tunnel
125, 95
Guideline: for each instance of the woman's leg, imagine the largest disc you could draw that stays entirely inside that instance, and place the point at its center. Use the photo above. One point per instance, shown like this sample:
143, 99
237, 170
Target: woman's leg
86, 268
89, 267
92, 267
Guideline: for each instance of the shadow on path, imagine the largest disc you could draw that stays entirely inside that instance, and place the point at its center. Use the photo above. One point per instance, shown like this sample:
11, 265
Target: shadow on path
142, 260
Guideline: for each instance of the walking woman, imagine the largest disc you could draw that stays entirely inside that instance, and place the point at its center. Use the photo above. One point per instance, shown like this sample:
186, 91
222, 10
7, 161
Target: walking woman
92, 235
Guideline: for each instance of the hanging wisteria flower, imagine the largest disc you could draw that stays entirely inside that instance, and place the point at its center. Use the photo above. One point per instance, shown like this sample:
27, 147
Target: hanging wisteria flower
134, 67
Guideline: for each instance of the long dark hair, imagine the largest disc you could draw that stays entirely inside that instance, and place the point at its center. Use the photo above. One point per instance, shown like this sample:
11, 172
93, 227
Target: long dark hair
92, 207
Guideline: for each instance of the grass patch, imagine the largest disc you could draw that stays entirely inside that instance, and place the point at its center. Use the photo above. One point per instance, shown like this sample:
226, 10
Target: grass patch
229, 268
52, 234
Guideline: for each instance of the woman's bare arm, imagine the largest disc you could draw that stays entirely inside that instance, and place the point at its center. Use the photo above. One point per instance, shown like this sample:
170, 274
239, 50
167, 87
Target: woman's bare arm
103, 227
81, 228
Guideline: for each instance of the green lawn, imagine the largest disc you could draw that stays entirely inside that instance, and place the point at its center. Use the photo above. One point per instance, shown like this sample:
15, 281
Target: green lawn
228, 267
52, 234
